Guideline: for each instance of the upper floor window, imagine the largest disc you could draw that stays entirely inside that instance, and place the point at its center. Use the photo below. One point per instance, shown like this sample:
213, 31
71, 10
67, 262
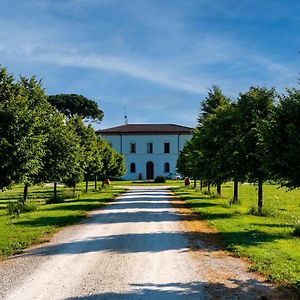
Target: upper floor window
166, 167
149, 147
166, 147
132, 168
132, 147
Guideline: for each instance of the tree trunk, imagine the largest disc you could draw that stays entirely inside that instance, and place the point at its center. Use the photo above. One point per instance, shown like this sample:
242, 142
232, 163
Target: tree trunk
55, 190
195, 183
86, 184
25, 193
219, 188
235, 191
95, 182
260, 196
201, 184
74, 187
208, 187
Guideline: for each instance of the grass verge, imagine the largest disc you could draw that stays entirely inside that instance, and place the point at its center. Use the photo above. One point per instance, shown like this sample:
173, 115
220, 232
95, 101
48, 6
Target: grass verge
268, 241
18, 233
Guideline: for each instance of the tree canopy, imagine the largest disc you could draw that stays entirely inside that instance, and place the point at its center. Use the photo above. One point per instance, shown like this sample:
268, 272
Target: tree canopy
42, 143
76, 105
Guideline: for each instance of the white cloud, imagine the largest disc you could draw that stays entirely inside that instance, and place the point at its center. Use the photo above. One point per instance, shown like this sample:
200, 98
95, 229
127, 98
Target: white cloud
110, 63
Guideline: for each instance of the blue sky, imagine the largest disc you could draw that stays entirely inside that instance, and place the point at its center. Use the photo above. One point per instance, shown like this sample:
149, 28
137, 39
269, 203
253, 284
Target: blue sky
156, 59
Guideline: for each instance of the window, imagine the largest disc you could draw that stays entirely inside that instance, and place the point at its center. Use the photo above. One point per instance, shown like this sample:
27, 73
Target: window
132, 168
132, 148
166, 147
167, 167
149, 147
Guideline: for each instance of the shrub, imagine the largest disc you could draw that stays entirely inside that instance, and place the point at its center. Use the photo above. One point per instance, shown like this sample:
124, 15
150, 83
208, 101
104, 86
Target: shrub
266, 212
30, 206
15, 208
70, 194
160, 179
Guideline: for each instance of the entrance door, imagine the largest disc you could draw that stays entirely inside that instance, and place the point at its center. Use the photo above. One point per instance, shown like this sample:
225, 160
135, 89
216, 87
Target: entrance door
150, 170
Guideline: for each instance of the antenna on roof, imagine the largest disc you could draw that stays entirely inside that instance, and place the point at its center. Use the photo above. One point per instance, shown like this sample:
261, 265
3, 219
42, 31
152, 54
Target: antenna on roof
126, 119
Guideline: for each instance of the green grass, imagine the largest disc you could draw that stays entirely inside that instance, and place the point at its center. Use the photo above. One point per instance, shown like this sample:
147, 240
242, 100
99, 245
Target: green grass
268, 241
18, 233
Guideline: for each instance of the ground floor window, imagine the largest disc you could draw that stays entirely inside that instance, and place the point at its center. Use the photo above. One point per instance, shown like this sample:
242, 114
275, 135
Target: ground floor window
132, 168
166, 167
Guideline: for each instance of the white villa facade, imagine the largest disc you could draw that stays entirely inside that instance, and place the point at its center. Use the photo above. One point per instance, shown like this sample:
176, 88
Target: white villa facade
150, 150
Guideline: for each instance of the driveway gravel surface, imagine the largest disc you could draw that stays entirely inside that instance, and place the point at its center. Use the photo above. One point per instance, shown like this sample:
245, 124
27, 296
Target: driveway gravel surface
142, 245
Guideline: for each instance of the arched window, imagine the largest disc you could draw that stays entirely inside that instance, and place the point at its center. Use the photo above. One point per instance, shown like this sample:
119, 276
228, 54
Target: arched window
166, 167
132, 168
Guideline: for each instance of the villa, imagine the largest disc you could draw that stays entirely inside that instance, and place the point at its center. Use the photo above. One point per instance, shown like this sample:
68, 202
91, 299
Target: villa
150, 150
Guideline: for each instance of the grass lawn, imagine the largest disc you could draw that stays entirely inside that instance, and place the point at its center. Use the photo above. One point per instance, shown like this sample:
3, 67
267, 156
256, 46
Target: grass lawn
268, 241
32, 227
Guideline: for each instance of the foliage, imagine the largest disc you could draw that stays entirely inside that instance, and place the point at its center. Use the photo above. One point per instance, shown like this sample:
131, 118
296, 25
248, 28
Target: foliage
24, 112
17, 207
77, 158
254, 107
113, 162
228, 142
160, 179
120, 168
214, 99
281, 139
76, 105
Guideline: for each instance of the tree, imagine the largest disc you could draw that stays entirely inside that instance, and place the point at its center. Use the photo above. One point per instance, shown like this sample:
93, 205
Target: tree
191, 162
215, 99
24, 112
63, 153
119, 169
9, 96
183, 165
217, 139
76, 105
91, 157
281, 140
111, 161
77, 165
208, 135
254, 107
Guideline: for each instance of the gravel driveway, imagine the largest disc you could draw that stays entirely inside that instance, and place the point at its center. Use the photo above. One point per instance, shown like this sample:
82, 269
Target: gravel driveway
143, 245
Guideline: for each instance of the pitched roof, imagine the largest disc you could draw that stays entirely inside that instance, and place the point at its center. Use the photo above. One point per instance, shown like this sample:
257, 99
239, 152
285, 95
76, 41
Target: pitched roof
147, 129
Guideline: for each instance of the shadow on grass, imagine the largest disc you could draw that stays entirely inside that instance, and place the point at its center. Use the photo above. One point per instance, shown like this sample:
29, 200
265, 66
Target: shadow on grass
237, 289
201, 204
51, 221
8, 199
50, 192
273, 225
75, 207
249, 238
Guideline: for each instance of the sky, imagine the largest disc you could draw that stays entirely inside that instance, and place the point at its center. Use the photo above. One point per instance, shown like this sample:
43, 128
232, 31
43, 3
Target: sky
152, 59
